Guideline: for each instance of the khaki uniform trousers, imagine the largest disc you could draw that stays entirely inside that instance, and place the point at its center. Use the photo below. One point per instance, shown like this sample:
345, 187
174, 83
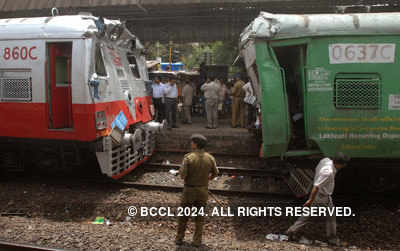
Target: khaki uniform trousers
193, 197
212, 112
238, 108
188, 113
320, 201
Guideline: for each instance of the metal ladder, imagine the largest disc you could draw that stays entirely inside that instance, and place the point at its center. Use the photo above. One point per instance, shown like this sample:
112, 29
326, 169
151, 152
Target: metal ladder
300, 181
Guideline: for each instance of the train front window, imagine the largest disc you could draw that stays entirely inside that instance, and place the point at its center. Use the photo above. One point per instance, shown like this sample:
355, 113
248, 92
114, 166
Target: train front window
99, 63
134, 66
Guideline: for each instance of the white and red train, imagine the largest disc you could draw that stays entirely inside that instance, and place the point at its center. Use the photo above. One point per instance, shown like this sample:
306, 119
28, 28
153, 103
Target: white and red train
74, 87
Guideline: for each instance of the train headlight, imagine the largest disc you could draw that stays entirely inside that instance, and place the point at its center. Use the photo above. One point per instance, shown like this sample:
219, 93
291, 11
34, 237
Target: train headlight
152, 110
101, 120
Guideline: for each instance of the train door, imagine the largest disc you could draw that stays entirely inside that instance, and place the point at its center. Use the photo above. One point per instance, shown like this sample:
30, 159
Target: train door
292, 62
274, 104
59, 85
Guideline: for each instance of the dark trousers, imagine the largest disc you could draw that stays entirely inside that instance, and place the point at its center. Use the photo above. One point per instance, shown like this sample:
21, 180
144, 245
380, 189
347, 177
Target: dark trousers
159, 109
170, 111
251, 115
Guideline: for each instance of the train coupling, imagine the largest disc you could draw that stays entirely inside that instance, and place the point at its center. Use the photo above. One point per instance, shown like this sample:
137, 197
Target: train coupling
118, 157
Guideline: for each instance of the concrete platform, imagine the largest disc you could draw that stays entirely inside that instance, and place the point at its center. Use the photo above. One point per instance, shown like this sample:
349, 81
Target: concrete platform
223, 140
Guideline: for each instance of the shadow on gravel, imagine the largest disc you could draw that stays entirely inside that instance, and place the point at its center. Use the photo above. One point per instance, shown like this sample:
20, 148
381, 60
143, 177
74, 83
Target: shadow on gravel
374, 223
64, 201
187, 246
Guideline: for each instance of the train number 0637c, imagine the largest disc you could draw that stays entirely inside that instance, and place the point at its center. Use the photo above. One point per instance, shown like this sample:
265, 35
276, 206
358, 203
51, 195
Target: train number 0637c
17, 52
361, 53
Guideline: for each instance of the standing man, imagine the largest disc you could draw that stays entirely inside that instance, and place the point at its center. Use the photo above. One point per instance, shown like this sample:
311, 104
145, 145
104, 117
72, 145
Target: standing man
198, 168
171, 96
222, 97
187, 94
238, 102
164, 83
158, 100
324, 184
249, 100
211, 93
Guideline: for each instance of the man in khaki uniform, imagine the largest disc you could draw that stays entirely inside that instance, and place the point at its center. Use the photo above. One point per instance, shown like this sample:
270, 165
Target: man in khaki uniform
187, 94
198, 168
211, 93
238, 104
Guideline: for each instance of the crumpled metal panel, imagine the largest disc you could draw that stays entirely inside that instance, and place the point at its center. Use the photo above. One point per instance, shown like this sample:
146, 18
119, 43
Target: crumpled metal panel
281, 26
76, 26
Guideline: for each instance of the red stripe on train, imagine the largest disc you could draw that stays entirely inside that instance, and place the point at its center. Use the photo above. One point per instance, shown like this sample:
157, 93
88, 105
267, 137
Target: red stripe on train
30, 120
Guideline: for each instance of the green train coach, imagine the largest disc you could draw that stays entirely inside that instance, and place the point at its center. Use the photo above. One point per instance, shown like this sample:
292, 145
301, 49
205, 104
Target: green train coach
326, 83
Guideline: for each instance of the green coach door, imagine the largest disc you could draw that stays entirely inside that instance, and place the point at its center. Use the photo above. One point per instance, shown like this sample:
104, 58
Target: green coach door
274, 105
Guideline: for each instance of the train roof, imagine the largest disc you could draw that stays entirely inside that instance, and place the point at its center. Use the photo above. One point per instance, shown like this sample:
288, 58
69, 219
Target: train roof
283, 26
59, 27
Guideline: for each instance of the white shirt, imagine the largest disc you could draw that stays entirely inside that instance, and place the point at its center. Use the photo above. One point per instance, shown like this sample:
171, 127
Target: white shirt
157, 90
248, 89
324, 177
170, 91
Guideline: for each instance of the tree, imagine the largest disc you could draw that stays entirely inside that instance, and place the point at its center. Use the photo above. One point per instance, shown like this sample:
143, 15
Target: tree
192, 54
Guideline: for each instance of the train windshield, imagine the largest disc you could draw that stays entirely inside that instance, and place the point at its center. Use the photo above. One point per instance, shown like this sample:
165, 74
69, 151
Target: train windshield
99, 62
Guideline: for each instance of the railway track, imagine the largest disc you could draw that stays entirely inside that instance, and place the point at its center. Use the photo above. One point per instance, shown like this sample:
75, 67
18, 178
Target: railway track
231, 181
175, 188
12, 246
223, 169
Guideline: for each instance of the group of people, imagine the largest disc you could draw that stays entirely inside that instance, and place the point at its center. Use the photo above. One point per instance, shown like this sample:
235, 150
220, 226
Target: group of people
165, 100
199, 167
217, 97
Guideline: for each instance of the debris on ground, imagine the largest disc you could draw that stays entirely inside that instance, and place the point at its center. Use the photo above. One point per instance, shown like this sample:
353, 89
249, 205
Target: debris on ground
98, 220
46, 221
305, 241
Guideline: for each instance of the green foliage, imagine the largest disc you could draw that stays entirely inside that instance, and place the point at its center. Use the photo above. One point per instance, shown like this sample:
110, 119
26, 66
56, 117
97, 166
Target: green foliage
192, 54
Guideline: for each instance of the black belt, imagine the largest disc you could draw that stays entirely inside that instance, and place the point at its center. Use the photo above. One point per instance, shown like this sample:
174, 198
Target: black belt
170, 98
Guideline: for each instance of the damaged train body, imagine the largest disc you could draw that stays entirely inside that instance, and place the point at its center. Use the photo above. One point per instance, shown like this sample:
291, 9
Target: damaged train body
73, 88
326, 83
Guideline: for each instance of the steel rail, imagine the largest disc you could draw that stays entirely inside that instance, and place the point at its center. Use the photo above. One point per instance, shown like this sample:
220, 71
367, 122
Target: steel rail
222, 169
12, 246
226, 192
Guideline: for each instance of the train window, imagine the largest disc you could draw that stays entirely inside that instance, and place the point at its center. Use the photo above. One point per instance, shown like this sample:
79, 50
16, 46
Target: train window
62, 70
99, 62
15, 85
357, 91
134, 66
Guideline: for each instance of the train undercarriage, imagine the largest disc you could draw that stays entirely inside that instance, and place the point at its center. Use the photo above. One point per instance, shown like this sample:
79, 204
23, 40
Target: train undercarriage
114, 159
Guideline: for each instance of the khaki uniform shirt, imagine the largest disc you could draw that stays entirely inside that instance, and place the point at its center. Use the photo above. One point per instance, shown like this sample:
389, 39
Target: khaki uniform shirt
197, 166
187, 93
237, 90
